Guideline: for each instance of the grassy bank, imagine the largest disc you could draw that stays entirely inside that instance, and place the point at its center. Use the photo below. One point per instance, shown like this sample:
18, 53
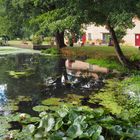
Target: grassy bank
100, 51
20, 43
102, 55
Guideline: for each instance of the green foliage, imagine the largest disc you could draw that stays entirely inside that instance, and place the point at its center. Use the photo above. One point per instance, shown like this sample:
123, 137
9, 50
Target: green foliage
109, 101
52, 51
52, 101
79, 123
109, 63
135, 57
37, 40
9, 13
120, 98
49, 40
40, 108
20, 74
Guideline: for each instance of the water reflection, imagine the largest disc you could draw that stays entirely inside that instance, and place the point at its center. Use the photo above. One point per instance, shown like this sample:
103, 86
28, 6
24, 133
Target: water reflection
47, 79
3, 98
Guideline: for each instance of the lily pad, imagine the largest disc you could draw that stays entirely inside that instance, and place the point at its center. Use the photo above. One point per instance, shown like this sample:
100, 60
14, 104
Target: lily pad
10, 107
4, 125
19, 74
24, 98
40, 108
52, 101
34, 119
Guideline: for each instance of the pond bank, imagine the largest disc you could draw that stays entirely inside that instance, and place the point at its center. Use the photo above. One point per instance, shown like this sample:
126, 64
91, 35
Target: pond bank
4, 50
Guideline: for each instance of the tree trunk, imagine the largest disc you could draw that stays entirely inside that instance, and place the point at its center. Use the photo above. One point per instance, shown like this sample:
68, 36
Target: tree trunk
60, 39
124, 61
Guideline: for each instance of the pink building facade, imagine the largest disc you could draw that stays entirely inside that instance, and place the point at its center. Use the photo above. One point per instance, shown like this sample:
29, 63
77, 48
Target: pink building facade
100, 35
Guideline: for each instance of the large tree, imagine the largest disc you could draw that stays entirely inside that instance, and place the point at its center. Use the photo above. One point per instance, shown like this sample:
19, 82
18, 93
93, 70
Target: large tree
116, 15
13, 23
53, 16
56, 16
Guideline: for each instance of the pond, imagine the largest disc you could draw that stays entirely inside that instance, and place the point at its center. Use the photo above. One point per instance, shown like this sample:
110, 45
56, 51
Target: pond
32, 83
40, 82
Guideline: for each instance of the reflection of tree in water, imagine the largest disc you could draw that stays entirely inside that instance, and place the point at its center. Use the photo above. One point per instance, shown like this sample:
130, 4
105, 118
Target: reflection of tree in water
66, 82
46, 80
41, 67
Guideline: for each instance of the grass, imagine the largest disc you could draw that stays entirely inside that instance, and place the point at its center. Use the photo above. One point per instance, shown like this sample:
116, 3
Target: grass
104, 51
20, 43
102, 55
111, 64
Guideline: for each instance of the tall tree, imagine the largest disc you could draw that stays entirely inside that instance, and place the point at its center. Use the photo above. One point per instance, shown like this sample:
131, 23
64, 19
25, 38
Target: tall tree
57, 16
54, 16
116, 15
14, 22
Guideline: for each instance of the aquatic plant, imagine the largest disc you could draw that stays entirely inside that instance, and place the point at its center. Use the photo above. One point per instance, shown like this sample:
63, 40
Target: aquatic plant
70, 123
52, 101
40, 108
19, 74
120, 98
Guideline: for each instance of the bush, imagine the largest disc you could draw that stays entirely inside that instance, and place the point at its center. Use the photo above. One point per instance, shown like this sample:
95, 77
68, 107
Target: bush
52, 51
37, 40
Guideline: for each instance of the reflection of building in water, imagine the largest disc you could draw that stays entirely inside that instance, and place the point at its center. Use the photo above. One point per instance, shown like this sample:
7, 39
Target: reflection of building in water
81, 80
3, 97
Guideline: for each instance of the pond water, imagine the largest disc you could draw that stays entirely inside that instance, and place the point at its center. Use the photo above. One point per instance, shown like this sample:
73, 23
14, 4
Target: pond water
32, 83
42, 82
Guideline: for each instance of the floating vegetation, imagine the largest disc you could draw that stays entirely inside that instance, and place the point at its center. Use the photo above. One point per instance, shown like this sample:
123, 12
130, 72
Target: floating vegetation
23, 98
10, 107
40, 108
79, 123
19, 74
52, 101
73, 99
4, 126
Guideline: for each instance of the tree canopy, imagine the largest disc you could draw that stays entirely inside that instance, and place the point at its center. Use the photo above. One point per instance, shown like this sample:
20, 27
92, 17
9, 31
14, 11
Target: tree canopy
24, 17
41, 17
116, 15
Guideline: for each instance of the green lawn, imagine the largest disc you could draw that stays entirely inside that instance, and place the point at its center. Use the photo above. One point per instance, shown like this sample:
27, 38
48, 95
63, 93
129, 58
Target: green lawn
20, 43
105, 51
102, 55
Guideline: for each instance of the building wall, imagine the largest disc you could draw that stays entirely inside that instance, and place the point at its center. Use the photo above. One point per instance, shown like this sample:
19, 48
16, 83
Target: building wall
97, 33
130, 37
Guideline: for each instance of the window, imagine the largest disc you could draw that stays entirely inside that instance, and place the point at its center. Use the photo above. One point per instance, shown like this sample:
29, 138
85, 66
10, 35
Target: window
106, 38
89, 36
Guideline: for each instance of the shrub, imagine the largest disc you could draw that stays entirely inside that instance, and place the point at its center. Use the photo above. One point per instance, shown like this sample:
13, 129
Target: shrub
52, 51
37, 40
